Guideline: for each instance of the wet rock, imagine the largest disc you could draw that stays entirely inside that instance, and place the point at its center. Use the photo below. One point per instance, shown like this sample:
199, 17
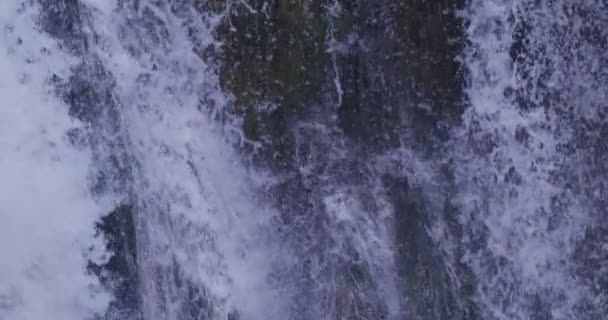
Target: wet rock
274, 63
429, 290
120, 273
376, 76
404, 55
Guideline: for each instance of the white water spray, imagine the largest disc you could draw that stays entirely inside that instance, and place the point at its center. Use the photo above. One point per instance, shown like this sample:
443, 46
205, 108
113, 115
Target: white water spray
47, 214
521, 217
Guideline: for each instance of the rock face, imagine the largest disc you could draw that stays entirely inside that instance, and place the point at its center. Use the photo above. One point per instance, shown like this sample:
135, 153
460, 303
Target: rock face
274, 62
396, 64
377, 76
399, 70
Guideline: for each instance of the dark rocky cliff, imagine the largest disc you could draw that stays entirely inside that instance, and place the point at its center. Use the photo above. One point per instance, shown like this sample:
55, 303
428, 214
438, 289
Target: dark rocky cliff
377, 76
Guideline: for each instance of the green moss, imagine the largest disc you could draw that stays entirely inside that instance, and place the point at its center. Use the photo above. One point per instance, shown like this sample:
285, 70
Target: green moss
274, 54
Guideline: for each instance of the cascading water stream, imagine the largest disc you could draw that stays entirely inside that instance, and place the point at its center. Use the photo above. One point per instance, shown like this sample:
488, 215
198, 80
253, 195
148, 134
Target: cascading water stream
139, 183
47, 211
205, 243
195, 215
520, 165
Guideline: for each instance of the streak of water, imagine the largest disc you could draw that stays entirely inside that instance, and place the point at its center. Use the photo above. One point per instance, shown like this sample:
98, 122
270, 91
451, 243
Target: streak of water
204, 242
47, 213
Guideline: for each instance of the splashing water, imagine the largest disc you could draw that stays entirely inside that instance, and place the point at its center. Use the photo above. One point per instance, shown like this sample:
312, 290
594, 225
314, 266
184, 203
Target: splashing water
532, 67
47, 231
200, 227
111, 104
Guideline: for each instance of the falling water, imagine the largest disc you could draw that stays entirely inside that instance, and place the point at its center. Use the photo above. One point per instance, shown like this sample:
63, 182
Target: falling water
47, 212
528, 157
134, 187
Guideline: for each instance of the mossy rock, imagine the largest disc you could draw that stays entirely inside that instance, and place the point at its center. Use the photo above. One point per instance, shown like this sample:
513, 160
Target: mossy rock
274, 54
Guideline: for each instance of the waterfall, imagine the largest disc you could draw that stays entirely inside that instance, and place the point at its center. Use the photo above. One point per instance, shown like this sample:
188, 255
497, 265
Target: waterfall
47, 211
278, 159
204, 244
528, 157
